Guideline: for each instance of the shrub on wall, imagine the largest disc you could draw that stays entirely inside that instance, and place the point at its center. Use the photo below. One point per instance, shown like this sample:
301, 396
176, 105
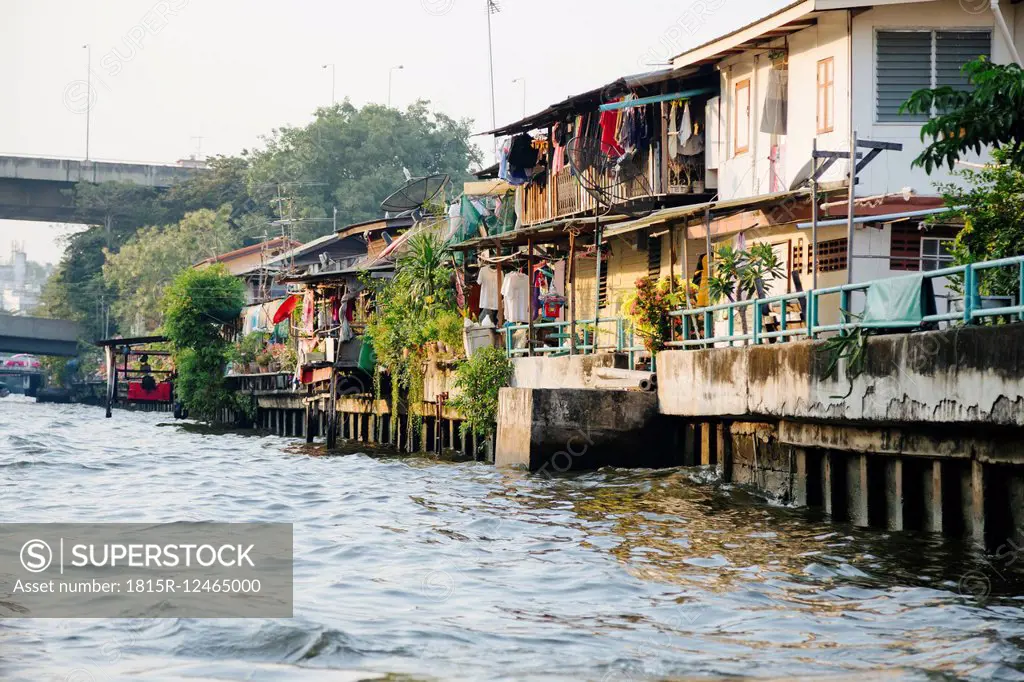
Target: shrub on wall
479, 379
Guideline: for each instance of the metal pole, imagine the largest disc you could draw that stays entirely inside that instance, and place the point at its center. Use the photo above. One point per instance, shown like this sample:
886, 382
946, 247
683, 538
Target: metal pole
334, 82
849, 207
572, 293
813, 261
529, 275
490, 62
88, 95
597, 280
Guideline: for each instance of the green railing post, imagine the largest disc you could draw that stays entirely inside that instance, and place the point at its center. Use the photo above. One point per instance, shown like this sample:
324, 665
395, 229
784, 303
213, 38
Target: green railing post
686, 328
812, 313
1020, 291
844, 308
732, 324
757, 321
709, 327
969, 287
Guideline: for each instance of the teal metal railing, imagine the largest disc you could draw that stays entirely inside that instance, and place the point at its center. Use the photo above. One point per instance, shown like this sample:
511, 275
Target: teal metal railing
697, 326
588, 336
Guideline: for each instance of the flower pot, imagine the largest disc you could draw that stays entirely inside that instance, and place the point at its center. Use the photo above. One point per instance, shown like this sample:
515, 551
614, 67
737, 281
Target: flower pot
698, 187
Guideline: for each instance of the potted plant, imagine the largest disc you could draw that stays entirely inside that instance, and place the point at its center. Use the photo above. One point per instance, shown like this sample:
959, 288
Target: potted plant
263, 359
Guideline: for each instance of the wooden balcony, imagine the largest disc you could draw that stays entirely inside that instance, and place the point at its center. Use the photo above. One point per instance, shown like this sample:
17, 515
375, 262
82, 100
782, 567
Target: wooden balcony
564, 197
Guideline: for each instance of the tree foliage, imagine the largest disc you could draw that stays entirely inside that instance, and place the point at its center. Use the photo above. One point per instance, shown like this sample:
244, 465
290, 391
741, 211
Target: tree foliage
989, 114
149, 261
352, 159
196, 306
479, 380
993, 213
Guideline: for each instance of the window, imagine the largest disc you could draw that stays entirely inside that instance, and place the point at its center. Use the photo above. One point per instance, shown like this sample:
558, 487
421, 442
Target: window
798, 256
912, 249
741, 118
910, 60
826, 95
935, 253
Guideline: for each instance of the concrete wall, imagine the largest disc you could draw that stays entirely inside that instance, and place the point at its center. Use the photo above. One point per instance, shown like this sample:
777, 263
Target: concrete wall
972, 375
575, 371
556, 430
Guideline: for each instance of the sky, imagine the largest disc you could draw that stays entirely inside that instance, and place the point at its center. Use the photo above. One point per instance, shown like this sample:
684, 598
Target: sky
173, 78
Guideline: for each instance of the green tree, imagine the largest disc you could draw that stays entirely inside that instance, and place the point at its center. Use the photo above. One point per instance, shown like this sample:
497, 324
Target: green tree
149, 261
993, 213
196, 306
351, 159
991, 114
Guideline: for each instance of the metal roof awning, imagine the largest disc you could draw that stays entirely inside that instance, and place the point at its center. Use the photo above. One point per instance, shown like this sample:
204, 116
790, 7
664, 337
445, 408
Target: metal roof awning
131, 341
589, 99
884, 218
717, 208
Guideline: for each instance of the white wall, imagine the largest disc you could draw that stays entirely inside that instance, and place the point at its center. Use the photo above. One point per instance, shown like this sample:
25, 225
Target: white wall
892, 171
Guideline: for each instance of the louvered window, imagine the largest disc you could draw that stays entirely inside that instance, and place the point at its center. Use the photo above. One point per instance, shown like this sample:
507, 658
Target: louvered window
911, 60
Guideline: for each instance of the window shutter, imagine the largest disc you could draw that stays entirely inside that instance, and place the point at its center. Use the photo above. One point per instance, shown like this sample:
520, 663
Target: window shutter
953, 49
903, 66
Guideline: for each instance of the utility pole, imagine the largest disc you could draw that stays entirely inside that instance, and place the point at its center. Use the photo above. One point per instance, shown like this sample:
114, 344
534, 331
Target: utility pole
492, 8
850, 207
857, 164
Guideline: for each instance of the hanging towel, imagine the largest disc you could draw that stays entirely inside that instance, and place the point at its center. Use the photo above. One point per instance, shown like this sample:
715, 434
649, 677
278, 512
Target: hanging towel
673, 131
609, 123
685, 125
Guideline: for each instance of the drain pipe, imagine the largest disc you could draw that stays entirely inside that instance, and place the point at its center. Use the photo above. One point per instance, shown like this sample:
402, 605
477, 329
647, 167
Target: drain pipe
1005, 30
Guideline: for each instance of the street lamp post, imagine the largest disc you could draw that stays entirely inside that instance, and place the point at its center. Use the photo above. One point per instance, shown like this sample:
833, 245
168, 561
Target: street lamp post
523, 81
333, 80
391, 74
492, 8
88, 95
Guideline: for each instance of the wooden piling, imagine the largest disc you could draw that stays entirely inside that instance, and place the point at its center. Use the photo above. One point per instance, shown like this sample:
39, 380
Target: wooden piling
800, 477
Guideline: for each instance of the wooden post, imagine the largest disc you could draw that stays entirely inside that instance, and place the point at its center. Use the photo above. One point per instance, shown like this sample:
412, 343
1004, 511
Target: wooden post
826, 483
705, 443
529, 275
108, 353
309, 423
501, 308
671, 258
857, 488
332, 414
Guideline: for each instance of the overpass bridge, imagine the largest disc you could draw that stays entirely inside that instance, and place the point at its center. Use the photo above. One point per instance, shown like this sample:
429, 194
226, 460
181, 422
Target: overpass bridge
38, 336
35, 188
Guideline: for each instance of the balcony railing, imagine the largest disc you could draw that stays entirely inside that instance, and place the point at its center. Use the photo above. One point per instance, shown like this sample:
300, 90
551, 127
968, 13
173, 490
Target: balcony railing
698, 329
563, 196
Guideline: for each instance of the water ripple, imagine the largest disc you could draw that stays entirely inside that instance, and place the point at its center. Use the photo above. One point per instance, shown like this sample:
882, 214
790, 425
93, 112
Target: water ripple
410, 568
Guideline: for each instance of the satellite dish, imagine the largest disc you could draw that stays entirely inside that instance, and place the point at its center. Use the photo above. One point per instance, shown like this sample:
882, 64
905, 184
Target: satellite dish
414, 193
614, 177
803, 176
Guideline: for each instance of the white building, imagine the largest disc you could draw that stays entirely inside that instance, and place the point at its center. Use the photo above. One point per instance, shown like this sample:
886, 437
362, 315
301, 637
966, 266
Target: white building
841, 66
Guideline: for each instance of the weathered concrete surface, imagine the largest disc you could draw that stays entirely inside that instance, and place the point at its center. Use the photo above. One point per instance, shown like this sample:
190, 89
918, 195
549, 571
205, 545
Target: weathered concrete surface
557, 430
994, 446
569, 371
19, 334
972, 375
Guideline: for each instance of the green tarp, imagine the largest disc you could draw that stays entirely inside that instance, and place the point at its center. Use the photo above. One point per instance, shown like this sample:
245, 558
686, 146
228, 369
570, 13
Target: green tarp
499, 216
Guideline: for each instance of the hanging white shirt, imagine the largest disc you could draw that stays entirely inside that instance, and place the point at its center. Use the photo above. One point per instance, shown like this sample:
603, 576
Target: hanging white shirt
488, 279
516, 290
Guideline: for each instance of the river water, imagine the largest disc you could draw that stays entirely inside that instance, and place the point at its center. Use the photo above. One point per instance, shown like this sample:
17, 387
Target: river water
417, 569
